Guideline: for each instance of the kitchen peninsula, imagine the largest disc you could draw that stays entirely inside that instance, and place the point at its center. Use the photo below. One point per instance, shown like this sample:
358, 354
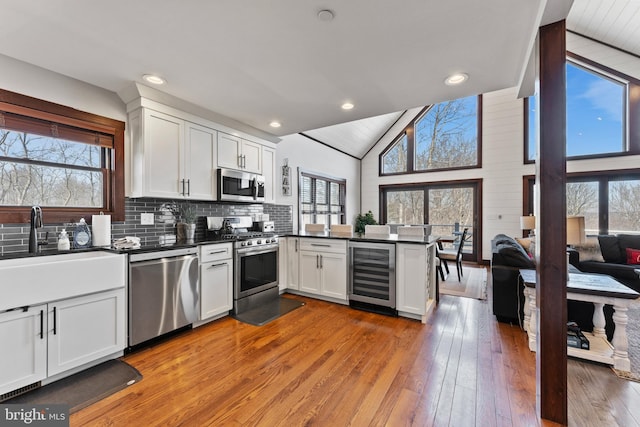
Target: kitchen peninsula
319, 265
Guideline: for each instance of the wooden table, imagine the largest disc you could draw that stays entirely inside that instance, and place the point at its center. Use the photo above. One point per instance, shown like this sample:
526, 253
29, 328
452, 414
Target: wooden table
598, 289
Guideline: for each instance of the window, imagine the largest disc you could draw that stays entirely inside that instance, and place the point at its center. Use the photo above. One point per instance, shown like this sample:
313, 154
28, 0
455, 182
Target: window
395, 159
447, 135
68, 162
446, 206
597, 111
322, 200
443, 136
609, 200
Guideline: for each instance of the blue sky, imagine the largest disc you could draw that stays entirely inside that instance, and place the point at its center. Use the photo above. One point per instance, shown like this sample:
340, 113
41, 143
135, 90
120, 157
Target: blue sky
594, 114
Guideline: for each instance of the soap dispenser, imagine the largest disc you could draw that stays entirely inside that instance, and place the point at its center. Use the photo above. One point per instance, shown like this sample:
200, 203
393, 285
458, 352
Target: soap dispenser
63, 241
82, 235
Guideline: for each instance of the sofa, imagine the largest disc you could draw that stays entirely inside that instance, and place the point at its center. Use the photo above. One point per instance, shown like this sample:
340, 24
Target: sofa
508, 257
614, 255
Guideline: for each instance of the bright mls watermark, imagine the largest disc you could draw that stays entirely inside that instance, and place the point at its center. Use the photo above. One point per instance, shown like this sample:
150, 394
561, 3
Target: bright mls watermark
34, 415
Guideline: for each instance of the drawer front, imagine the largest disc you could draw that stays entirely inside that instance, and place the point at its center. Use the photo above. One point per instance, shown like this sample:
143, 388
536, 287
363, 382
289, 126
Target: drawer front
323, 245
215, 252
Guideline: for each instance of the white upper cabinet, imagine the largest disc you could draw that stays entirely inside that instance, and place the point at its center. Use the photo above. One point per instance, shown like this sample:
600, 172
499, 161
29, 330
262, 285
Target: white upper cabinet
237, 153
199, 162
269, 173
171, 157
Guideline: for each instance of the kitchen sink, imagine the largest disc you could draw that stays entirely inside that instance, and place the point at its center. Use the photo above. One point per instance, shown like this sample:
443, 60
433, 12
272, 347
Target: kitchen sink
33, 280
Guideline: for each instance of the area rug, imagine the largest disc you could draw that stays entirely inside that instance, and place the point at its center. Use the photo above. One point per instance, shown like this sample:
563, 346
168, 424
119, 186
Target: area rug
269, 311
473, 283
84, 388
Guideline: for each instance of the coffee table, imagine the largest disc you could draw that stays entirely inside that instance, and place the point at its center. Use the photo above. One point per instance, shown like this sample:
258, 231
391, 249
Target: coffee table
598, 289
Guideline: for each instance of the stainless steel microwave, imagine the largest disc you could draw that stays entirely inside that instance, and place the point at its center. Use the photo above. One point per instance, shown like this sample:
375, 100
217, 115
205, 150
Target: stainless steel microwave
238, 186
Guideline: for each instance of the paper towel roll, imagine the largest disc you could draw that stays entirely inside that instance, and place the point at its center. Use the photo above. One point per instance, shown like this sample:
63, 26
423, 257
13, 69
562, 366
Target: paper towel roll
101, 230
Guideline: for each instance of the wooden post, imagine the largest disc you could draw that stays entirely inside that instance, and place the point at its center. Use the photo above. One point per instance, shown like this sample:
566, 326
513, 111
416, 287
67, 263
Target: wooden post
551, 291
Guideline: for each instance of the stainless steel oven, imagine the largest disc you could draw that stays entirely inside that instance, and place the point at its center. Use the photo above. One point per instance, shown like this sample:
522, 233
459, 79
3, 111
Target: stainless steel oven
237, 186
256, 271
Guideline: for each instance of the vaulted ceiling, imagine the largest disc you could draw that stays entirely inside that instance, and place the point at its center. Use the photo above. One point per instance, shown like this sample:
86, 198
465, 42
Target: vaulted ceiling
256, 62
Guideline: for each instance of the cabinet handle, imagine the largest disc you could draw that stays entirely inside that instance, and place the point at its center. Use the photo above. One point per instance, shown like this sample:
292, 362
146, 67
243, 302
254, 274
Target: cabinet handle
188, 187
296, 246
317, 261
55, 321
218, 252
321, 262
240, 161
182, 183
216, 265
41, 324
244, 161
320, 245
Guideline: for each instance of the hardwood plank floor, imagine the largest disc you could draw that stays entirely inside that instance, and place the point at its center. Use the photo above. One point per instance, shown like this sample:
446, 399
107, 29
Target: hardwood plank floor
329, 365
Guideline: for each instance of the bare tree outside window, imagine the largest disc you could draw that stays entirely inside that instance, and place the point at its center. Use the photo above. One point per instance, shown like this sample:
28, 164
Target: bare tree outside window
49, 171
624, 206
582, 200
395, 159
405, 207
446, 136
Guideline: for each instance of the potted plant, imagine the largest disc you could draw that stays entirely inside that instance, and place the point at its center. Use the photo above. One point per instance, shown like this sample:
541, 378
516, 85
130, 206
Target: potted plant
186, 216
362, 220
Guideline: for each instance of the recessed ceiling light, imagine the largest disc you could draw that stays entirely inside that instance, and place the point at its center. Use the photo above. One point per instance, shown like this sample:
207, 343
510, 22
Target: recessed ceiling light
347, 106
153, 79
275, 124
456, 79
325, 15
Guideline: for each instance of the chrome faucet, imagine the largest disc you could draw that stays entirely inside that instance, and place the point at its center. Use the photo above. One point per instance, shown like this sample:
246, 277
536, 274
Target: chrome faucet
36, 222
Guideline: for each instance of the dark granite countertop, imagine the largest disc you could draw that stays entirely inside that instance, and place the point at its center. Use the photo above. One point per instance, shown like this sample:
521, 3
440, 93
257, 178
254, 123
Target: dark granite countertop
361, 237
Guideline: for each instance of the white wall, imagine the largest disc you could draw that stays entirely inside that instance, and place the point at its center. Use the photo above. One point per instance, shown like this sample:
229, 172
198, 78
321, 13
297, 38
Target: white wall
311, 156
27, 79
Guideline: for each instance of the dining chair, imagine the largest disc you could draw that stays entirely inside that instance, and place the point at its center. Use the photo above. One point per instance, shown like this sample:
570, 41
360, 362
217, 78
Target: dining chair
454, 255
314, 228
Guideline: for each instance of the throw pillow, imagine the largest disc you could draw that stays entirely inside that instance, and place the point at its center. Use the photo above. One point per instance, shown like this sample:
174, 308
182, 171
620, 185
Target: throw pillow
590, 250
610, 249
633, 256
525, 242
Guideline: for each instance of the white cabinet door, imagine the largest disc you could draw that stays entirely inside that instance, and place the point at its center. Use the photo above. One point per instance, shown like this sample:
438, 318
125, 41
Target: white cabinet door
293, 260
269, 173
251, 156
23, 358
333, 268
163, 155
200, 162
310, 272
411, 278
216, 288
229, 151
237, 153
83, 329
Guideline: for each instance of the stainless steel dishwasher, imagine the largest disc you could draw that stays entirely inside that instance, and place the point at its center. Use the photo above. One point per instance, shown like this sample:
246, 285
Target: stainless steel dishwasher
163, 292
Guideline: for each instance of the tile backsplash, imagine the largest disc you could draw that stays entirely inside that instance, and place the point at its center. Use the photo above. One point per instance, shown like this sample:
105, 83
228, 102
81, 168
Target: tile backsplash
15, 237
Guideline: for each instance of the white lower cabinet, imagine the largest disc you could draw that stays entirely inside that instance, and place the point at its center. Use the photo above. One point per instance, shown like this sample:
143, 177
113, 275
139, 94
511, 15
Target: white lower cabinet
292, 262
24, 347
49, 339
415, 279
323, 267
84, 329
216, 280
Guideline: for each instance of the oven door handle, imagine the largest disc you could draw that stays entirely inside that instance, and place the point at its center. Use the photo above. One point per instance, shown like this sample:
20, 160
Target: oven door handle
256, 251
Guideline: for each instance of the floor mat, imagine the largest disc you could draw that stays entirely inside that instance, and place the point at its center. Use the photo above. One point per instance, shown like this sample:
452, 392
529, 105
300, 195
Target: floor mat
473, 283
84, 388
268, 312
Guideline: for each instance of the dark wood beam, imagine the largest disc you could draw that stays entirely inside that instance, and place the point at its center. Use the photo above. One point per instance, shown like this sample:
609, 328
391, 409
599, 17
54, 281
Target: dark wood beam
551, 292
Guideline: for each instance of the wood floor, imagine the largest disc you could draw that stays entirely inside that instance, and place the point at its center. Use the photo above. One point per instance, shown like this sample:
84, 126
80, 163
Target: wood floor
329, 365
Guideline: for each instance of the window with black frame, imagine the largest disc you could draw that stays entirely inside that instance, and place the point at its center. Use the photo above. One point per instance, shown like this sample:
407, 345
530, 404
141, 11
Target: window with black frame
322, 200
